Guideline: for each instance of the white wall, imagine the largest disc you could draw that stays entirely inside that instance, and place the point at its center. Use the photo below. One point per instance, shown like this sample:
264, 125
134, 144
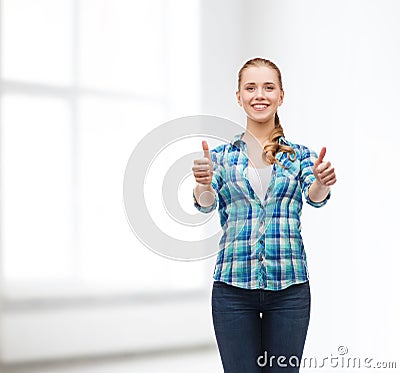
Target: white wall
222, 56
339, 61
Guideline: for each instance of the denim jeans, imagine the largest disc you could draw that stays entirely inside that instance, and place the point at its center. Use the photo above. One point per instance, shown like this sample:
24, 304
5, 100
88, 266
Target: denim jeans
260, 330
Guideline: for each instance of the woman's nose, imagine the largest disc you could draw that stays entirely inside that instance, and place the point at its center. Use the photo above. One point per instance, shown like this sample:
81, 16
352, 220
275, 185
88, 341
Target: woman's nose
259, 92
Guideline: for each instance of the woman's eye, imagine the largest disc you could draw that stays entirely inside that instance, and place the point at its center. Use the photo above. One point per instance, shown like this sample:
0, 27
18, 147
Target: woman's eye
250, 88
270, 88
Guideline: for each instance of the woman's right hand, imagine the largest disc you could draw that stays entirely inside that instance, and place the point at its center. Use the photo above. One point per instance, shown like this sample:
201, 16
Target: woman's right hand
203, 168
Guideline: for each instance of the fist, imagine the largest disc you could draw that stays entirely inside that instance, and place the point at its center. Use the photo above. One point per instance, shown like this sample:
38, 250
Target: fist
323, 171
203, 167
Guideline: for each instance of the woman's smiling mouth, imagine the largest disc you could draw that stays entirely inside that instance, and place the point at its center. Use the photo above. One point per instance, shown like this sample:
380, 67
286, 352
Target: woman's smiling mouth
259, 107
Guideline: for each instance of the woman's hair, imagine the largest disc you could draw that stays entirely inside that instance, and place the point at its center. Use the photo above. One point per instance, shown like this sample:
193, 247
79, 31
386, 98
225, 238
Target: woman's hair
273, 146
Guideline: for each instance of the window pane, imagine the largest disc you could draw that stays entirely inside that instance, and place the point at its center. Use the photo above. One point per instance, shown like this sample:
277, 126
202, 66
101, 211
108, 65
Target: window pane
122, 46
183, 57
37, 180
37, 40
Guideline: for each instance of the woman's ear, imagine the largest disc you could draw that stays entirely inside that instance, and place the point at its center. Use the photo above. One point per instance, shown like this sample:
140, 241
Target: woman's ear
239, 100
281, 97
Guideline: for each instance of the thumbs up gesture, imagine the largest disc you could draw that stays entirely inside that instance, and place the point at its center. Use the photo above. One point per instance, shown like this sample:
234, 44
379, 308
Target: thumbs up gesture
323, 171
203, 167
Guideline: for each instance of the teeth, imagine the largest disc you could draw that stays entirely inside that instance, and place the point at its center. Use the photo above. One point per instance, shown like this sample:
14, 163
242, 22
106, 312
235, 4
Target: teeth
258, 106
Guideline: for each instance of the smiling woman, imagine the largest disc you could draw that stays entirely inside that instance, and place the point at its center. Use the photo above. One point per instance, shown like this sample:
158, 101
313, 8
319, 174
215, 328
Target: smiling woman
261, 267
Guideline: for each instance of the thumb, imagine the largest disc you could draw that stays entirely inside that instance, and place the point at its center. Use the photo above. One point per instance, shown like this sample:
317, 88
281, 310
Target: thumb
321, 156
206, 150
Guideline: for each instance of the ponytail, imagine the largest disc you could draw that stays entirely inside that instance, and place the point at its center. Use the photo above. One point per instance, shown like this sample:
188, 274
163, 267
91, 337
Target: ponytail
274, 147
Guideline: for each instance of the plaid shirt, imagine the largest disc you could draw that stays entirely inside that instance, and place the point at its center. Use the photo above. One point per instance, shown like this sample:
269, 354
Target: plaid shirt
261, 245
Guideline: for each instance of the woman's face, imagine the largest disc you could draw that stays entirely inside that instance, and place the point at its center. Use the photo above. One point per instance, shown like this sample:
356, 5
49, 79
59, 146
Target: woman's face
260, 93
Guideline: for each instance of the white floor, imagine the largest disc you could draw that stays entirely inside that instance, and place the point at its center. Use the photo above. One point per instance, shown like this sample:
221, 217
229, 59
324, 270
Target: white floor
202, 361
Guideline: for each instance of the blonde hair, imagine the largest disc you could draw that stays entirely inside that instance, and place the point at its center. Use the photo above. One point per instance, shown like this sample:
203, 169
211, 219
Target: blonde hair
273, 146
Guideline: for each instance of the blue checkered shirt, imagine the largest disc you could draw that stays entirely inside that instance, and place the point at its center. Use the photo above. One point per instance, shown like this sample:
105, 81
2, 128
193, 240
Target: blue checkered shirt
261, 246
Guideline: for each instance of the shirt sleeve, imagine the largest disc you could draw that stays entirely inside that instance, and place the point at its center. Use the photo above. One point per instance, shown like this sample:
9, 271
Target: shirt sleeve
216, 183
307, 177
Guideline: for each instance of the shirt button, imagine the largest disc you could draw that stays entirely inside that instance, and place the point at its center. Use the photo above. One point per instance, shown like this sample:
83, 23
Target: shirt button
260, 257
261, 242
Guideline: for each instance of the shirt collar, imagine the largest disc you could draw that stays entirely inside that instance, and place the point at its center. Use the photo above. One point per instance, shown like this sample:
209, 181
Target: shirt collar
237, 140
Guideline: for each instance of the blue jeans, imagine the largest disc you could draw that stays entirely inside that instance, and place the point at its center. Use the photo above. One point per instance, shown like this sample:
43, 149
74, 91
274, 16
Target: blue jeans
260, 330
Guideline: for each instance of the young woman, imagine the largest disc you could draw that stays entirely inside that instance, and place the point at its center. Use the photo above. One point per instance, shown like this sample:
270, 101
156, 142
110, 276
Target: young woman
261, 294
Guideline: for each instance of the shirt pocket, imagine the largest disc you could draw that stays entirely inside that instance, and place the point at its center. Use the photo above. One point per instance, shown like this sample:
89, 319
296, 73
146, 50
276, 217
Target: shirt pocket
290, 169
287, 181
238, 187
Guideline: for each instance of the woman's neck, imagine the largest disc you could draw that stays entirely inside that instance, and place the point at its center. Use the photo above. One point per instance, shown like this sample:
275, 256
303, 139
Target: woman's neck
257, 135
259, 131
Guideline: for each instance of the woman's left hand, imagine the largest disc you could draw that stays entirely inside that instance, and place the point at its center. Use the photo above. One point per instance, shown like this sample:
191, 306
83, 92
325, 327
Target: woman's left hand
323, 171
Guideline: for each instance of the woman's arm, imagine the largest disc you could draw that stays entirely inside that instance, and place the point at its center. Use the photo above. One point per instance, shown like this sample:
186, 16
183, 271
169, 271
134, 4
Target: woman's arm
203, 173
204, 194
318, 192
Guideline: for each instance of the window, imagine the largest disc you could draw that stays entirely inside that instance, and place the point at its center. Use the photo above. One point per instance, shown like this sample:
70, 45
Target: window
81, 83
